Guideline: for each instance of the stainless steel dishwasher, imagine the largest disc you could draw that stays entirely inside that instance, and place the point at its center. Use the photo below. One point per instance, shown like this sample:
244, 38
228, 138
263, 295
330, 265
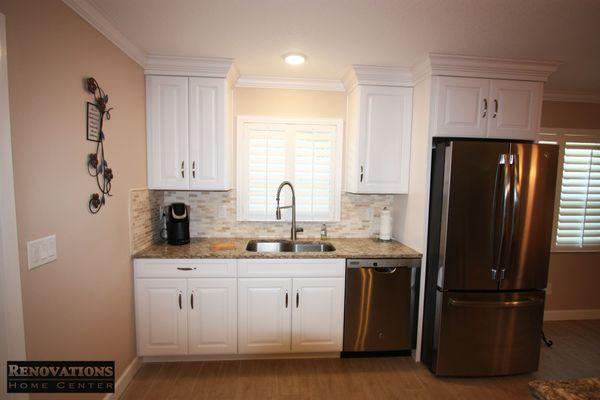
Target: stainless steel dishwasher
381, 304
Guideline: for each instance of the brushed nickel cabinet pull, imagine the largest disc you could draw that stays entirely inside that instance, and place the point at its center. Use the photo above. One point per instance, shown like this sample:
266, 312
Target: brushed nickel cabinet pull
297, 299
186, 268
485, 108
495, 108
286, 299
362, 170
192, 300
180, 301
182, 169
194, 169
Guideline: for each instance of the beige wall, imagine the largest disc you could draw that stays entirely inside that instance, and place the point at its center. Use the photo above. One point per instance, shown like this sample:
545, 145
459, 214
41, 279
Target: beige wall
289, 103
80, 306
573, 276
557, 114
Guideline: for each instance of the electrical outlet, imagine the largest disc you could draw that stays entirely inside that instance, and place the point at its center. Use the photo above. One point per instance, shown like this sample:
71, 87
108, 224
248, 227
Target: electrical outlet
41, 251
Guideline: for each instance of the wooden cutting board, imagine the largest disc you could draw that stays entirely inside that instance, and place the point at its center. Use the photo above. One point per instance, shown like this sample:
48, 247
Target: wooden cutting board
221, 246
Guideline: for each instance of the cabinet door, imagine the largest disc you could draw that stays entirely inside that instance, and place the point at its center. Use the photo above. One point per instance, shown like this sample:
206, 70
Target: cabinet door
212, 319
384, 140
167, 132
264, 315
514, 109
318, 314
207, 134
161, 317
461, 107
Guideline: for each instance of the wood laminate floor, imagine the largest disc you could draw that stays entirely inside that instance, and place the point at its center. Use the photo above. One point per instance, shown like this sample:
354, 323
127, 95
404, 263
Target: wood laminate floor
575, 354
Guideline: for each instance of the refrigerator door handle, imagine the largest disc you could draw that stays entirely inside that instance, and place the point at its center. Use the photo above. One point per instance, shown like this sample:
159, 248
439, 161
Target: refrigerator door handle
525, 302
497, 245
514, 183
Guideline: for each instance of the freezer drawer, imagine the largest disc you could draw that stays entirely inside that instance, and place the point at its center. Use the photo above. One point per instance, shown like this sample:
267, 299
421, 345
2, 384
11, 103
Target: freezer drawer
482, 334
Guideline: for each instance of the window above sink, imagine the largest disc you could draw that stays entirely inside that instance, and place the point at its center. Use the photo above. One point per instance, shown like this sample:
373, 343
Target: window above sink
307, 152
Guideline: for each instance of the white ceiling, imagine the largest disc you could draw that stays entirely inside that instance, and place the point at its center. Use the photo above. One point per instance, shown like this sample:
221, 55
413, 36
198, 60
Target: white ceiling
337, 33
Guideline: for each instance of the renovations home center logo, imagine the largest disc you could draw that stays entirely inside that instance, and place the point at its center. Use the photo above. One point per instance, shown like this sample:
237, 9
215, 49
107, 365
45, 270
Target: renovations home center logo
60, 376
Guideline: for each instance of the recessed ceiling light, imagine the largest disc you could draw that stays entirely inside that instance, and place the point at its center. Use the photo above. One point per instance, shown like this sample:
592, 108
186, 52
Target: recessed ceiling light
294, 58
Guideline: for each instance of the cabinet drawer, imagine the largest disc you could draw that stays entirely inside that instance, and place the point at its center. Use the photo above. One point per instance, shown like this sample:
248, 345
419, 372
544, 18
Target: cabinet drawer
184, 268
283, 268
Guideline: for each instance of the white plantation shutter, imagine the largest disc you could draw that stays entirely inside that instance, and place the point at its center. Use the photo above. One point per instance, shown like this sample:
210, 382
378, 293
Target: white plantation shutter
578, 223
266, 167
305, 152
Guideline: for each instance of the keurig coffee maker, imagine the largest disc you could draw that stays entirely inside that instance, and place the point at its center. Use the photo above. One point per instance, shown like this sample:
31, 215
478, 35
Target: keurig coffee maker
178, 224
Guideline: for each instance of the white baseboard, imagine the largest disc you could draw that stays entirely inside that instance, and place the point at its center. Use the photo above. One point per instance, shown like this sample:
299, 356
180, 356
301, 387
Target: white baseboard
565, 315
227, 357
125, 379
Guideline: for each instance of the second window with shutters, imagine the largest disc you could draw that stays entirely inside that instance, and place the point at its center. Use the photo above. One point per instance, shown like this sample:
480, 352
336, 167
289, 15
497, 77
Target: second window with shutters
306, 152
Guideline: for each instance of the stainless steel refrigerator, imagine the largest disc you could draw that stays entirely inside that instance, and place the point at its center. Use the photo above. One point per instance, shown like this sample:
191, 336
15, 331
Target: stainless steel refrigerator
489, 239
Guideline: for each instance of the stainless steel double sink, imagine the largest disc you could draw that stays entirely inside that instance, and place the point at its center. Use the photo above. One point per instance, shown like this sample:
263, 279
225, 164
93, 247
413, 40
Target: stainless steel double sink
288, 246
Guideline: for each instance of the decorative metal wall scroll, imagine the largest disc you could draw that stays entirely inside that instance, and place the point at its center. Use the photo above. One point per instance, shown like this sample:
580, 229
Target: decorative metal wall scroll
97, 164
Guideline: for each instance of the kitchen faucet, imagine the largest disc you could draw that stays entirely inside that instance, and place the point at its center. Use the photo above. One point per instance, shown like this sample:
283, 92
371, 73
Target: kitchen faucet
292, 206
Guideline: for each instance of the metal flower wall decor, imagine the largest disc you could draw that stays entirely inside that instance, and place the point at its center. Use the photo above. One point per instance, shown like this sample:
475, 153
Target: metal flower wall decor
97, 163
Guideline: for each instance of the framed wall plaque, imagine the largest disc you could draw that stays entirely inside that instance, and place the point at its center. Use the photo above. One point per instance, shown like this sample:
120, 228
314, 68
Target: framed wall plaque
94, 122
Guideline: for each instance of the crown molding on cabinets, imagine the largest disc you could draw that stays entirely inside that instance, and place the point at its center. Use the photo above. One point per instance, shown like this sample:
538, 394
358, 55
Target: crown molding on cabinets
376, 76
86, 10
571, 96
272, 82
484, 67
213, 67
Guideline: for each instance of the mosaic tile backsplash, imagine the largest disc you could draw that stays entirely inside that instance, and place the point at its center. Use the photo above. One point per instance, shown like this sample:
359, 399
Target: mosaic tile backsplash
213, 214
144, 218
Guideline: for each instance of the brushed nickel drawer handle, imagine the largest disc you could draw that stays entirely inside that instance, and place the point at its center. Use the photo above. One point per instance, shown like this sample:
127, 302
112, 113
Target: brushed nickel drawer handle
186, 268
180, 301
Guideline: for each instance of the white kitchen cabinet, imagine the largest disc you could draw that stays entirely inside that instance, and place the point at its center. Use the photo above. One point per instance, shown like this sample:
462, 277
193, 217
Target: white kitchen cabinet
247, 306
461, 107
486, 108
378, 139
210, 138
279, 315
161, 316
189, 136
212, 316
515, 109
317, 315
167, 132
264, 322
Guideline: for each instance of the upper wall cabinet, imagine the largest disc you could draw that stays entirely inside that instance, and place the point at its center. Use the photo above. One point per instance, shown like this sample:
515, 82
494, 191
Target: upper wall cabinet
378, 133
189, 134
493, 108
482, 97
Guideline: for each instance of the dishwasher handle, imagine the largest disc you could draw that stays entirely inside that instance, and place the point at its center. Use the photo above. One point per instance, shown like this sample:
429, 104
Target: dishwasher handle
389, 265
382, 270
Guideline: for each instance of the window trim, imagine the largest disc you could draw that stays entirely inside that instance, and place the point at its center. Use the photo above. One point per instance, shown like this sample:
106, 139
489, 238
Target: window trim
561, 136
241, 152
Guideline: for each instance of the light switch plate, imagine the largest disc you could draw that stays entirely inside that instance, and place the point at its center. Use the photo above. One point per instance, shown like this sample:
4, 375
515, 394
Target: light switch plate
41, 251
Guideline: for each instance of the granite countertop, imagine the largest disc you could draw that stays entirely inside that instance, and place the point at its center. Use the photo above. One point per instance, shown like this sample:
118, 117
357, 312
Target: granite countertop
576, 389
236, 248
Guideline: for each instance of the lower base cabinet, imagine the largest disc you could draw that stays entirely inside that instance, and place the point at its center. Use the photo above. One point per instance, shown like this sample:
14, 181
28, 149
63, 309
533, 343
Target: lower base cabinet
317, 315
201, 307
301, 315
264, 317
161, 319
212, 316
186, 316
